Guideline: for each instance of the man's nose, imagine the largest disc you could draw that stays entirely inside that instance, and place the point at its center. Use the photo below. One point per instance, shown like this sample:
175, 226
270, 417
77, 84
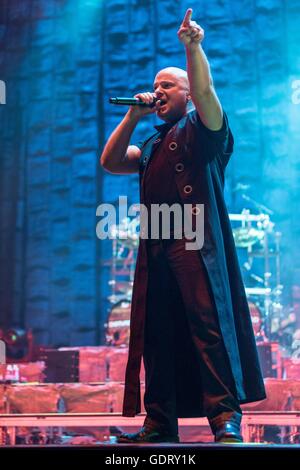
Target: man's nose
158, 93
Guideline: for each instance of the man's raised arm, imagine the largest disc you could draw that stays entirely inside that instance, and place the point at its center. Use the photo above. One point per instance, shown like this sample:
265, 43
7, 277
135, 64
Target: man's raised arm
201, 86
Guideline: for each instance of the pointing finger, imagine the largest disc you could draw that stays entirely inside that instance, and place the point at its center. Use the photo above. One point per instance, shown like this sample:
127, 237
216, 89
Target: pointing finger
187, 17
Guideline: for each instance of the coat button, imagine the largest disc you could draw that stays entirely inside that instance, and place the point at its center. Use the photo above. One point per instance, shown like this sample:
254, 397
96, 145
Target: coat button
173, 146
179, 167
145, 159
187, 189
195, 210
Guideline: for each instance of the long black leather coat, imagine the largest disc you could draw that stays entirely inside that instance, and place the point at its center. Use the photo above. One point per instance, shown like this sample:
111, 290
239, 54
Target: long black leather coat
202, 156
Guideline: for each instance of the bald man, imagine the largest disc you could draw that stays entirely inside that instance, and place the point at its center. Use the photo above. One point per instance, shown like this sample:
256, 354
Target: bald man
190, 320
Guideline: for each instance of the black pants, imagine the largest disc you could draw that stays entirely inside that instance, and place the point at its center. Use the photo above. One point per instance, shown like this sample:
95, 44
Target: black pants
181, 321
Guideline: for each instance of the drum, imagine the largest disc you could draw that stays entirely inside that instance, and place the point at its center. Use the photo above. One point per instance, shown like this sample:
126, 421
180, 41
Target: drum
256, 317
117, 325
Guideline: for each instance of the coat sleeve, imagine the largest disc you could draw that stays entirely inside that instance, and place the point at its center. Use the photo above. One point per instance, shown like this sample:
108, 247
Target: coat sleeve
218, 144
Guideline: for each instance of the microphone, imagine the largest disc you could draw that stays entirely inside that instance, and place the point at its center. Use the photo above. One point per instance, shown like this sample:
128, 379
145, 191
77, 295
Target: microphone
132, 102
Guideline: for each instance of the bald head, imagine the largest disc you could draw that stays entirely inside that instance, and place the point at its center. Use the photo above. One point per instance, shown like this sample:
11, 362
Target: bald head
171, 87
176, 72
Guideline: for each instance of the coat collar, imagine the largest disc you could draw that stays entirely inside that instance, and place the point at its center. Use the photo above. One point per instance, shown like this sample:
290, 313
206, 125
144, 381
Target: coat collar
162, 128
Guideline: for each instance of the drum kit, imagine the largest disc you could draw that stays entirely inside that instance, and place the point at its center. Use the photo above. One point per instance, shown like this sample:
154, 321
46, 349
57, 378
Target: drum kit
125, 241
258, 247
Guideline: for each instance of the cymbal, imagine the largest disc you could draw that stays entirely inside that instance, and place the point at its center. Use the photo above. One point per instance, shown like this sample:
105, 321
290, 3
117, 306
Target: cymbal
245, 237
113, 299
245, 216
263, 254
254, 291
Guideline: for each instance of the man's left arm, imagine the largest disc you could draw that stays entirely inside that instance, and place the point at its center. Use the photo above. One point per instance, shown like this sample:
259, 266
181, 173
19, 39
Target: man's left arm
202, 90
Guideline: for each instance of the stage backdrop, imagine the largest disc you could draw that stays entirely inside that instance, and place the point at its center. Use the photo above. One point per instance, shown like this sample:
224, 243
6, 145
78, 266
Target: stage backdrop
60, 61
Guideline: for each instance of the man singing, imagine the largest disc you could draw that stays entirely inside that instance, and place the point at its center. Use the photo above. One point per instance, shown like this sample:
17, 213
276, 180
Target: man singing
190, 319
